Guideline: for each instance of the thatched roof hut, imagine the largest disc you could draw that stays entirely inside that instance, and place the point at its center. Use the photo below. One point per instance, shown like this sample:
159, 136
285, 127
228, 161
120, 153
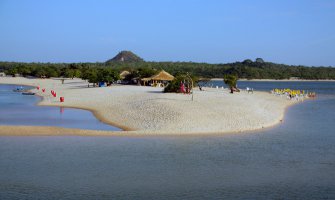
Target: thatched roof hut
161, 77
123, 74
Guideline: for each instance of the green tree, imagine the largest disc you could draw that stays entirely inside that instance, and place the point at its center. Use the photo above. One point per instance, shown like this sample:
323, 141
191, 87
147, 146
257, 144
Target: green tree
12, 71
107, 75
231, 81
259, 60
40, 72
51, 72
145, 72
247, 61
91, 75
174, 86
24, 70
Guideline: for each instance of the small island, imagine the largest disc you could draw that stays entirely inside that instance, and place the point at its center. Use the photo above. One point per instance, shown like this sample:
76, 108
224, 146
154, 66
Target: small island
148, 100
147, 110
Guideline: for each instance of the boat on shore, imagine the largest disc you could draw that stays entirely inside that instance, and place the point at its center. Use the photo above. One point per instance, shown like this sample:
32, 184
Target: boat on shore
28, 93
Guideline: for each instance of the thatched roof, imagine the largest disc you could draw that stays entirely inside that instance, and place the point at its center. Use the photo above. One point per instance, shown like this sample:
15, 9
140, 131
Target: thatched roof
123, 74
161, 76
146, 79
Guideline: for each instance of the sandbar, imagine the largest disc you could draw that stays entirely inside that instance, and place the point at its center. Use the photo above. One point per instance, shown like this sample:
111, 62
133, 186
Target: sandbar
142, 110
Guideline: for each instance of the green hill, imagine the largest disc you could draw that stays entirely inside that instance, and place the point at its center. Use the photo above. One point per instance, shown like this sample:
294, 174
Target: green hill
125, 56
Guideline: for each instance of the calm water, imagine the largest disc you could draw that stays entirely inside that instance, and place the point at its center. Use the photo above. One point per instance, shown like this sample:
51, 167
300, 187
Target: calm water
295, 160
18, 109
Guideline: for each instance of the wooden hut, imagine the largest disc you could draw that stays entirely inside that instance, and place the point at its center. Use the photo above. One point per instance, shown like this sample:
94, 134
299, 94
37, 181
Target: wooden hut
159, 80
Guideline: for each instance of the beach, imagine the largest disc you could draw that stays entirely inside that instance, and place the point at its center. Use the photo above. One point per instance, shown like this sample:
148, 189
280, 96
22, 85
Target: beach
143, 110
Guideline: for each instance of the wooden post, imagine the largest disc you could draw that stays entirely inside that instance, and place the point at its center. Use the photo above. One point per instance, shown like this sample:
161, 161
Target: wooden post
189, 77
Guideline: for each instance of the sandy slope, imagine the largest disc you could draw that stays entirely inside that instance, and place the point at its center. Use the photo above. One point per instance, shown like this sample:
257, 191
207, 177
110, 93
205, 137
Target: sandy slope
148, 110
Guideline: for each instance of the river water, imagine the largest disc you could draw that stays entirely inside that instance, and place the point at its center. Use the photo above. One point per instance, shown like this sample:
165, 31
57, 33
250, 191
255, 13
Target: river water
18, 109
294, 160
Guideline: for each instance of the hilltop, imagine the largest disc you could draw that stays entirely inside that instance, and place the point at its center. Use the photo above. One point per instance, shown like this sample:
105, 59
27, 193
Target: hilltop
125, 56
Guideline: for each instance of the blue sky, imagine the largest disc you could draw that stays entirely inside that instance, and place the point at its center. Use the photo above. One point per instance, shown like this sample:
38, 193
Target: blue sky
214, 31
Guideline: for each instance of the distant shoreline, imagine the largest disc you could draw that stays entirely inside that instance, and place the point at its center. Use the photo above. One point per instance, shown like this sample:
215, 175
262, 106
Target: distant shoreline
279, 80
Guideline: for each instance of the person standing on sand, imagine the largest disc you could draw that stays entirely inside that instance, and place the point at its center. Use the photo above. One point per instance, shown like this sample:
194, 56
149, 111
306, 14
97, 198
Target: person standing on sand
182, 87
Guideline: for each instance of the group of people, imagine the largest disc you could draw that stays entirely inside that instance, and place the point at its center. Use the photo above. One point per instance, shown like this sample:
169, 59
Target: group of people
293, 94
185, 87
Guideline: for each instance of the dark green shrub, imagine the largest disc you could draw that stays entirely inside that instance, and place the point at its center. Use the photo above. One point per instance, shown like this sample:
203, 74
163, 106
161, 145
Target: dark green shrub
174, 86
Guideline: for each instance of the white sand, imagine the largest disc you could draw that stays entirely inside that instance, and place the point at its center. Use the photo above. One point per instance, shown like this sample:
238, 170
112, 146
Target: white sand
148, 110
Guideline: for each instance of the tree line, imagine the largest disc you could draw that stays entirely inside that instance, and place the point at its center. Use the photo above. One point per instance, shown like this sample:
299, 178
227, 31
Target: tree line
109, 72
